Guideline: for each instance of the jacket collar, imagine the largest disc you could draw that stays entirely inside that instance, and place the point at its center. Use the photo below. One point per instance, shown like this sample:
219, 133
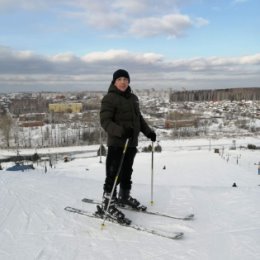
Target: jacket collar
114, 89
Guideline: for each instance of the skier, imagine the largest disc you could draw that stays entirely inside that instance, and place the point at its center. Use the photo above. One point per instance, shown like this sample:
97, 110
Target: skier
121, 118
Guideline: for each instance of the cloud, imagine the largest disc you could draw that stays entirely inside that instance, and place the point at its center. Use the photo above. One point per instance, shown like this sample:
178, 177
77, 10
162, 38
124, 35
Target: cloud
23, 4
134, 6
25, 70
121, 55
146, 18
139, 18
68, 63
171, 25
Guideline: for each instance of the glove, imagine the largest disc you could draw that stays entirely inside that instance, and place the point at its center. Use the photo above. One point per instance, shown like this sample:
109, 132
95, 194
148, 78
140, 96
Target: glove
128, 132
152, 136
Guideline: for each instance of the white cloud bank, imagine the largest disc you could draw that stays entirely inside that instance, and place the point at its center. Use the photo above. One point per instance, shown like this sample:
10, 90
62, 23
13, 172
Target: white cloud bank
27, 71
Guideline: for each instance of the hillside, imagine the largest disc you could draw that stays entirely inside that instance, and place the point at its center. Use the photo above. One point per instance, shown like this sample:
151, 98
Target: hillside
188, 178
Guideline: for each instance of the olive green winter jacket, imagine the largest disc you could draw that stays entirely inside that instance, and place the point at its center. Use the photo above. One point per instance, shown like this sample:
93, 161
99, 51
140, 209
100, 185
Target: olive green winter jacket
118, 111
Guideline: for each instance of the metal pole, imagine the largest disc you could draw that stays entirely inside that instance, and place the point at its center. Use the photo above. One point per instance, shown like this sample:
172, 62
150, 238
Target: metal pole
115, 182
100, 147
152, 176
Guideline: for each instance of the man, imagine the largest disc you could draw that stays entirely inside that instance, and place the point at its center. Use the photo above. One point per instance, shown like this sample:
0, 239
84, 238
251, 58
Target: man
121, 118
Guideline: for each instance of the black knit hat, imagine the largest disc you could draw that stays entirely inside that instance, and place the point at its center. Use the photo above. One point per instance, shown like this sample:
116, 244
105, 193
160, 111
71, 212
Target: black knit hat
120, 73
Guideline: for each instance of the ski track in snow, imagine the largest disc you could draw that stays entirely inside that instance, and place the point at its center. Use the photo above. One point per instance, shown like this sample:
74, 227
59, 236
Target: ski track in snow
34, 225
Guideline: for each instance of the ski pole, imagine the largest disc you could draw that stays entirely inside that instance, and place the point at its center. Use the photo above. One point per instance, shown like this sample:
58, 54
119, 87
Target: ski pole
115, 182
152, 176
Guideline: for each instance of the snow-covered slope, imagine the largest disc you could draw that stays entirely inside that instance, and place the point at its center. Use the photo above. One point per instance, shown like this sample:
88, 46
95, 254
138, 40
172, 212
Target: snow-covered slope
34, 225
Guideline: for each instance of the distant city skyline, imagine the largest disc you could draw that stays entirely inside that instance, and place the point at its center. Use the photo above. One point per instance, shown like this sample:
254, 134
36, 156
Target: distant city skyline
77, 45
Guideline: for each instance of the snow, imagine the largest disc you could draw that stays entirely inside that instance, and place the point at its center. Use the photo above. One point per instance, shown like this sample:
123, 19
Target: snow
34, 224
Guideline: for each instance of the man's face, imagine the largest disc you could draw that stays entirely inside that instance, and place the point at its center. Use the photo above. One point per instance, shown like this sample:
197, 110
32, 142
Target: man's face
122, 83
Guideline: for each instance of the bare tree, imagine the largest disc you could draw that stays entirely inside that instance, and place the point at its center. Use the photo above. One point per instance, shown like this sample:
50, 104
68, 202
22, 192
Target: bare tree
6, 127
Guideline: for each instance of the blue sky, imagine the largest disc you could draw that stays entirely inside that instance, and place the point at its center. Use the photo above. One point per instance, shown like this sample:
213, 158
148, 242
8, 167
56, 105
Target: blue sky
77, 45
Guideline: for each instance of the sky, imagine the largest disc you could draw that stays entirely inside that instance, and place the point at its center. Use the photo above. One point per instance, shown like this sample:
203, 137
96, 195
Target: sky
76, 45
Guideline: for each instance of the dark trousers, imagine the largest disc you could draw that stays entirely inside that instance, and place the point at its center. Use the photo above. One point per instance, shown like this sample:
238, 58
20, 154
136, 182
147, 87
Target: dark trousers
114, 156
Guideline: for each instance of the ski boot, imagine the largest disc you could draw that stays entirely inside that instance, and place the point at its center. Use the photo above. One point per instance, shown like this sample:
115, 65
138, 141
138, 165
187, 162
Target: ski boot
112, 213
126, 201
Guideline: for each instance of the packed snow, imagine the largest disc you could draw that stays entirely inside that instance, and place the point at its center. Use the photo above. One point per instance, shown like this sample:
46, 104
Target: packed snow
189, 177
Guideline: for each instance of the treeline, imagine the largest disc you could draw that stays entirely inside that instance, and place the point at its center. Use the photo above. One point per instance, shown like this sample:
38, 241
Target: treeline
79, 131
234, 94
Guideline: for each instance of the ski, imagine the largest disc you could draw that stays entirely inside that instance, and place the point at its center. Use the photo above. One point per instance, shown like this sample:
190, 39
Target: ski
187, 217
173, 235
